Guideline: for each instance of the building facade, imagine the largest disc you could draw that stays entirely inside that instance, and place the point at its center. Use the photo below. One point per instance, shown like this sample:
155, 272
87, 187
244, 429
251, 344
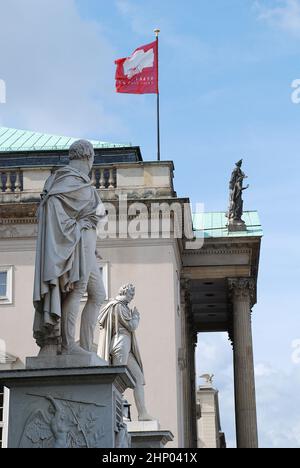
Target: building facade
191, 274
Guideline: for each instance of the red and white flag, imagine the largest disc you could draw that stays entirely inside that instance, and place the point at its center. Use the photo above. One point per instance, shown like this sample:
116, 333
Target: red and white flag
138, 74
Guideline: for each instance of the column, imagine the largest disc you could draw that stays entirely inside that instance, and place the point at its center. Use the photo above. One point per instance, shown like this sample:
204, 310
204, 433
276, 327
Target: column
243, 294
187, 365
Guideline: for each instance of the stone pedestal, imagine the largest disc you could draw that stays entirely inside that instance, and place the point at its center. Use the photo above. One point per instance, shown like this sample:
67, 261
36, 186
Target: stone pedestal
236, 226
147, 434
140, 426
65, 361
66, 408
243, 292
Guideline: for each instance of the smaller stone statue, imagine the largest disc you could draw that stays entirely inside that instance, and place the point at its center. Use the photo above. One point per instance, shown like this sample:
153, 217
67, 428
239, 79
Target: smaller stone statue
118, 344
235, 212
208, 378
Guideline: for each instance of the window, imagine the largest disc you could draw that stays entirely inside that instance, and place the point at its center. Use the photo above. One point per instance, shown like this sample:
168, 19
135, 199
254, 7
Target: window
4, 412
1, 414
5, 285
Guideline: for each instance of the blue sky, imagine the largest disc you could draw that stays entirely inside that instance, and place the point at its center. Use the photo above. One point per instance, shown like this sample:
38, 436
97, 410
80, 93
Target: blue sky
226, 70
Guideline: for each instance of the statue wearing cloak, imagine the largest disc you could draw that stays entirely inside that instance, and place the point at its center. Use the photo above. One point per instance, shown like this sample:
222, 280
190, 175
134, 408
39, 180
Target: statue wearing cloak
118, 344
65, 255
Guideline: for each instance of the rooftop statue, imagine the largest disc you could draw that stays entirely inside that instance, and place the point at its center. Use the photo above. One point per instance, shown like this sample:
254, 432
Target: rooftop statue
66, 264
208, 378
118, 344
235, 211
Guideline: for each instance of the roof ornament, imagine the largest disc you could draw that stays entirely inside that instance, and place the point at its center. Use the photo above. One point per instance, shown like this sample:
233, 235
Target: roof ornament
208, 378
236, 203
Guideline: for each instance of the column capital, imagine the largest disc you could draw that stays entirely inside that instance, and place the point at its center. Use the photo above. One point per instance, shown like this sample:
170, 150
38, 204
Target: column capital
242, 289
185, 283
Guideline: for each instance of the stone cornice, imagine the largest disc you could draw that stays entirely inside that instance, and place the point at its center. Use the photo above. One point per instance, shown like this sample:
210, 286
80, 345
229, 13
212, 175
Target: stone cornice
25, 211
226, 242
18, 213
9, 221
224, 250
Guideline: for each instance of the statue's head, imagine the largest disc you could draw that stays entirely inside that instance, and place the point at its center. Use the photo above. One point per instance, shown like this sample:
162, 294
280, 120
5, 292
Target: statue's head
239, 163
127, 292
82, 150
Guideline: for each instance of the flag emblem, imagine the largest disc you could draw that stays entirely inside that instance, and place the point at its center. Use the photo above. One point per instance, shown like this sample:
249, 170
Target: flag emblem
138, 74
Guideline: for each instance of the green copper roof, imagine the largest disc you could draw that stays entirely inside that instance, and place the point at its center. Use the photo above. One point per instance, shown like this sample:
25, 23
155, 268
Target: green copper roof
12, 140
214, 225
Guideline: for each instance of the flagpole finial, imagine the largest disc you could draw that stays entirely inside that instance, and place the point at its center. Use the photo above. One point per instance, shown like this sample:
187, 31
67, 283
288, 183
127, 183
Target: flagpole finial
156, 31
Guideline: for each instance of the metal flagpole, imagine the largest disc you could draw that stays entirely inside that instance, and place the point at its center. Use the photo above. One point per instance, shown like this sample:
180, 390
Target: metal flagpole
157, 31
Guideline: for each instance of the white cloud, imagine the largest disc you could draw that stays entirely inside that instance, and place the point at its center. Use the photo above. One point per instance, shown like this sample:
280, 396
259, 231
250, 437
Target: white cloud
278, 401
143, 19
58, 68
263, 370
140, 22
284, 14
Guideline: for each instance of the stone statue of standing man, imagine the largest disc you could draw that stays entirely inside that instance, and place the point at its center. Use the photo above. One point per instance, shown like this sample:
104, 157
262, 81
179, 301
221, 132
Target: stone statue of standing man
66, 263
236, 203
118, 344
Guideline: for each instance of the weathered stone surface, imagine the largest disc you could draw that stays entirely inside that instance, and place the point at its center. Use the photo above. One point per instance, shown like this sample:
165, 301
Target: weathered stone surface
66, 408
